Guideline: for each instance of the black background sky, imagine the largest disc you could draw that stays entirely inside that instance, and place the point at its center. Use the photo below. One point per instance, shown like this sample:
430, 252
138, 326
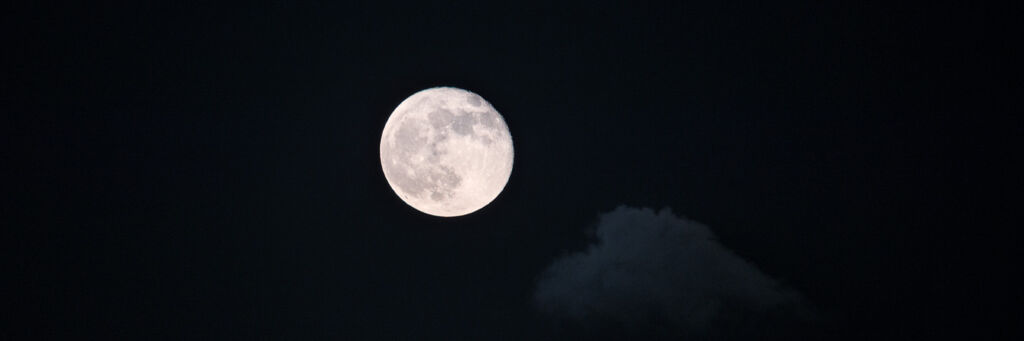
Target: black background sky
211, 171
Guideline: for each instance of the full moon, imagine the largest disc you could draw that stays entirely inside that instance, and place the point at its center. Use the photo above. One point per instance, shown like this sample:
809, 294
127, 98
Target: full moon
446, 152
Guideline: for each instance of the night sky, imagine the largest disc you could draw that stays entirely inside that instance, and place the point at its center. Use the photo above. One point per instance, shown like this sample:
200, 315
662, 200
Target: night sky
211, 171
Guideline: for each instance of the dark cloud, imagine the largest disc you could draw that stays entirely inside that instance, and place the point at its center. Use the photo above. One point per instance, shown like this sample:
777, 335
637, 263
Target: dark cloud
654, 271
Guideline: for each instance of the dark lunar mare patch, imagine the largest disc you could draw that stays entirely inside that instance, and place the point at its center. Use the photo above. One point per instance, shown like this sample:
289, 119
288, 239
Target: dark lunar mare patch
440, 118
441, 182
474, 100
487, 120
407, 137
463, 124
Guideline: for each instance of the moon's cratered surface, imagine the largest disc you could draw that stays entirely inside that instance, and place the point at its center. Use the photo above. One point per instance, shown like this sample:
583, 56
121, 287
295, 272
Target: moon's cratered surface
446, 152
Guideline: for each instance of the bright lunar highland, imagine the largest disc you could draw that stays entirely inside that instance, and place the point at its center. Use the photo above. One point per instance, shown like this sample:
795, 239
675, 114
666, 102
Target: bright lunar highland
446, 152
